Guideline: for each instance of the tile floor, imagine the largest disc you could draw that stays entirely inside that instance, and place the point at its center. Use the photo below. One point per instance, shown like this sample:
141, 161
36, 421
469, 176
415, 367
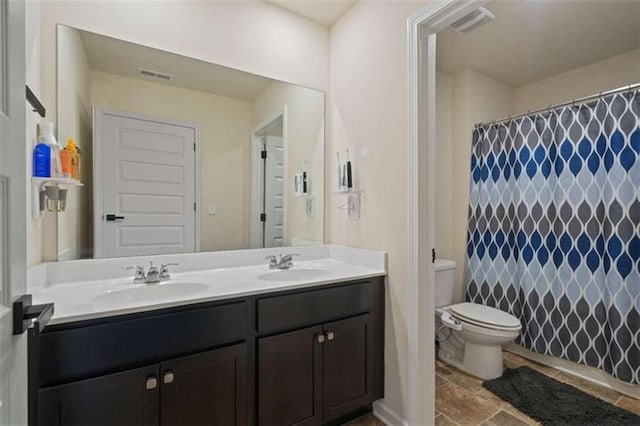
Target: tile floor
366, 420
461, 400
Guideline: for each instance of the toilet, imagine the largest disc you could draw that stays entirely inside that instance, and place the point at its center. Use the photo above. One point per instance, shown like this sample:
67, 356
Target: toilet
470, 335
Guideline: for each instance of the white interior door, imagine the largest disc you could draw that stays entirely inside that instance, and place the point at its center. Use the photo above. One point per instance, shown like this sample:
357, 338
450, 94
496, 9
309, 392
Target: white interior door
274, 192
13, 216
145, 172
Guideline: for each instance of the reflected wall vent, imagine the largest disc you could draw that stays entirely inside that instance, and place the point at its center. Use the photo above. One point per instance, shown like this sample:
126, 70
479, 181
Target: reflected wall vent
472, 20
154, 74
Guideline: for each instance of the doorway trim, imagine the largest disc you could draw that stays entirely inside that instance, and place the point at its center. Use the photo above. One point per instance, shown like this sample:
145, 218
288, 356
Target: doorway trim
97, 188
421, 56
254, 230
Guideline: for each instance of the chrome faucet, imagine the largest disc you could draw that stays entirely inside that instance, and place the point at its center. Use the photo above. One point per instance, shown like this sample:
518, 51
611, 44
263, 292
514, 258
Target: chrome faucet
139, 276
285, 261
153, 275
164, 271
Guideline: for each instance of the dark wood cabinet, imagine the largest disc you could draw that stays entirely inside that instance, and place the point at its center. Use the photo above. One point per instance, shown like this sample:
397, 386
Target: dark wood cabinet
290, 378
348, 365
208, 388
128, 398
300, 357
317, 374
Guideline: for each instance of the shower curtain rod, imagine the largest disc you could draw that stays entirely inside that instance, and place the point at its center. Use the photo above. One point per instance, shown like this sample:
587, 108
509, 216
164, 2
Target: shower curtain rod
629, 87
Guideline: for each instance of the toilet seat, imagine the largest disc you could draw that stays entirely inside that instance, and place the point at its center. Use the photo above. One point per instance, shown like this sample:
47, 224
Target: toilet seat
484, 316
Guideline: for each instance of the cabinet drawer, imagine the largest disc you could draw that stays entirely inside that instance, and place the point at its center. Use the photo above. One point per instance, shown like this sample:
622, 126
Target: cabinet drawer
313, 307
77, 353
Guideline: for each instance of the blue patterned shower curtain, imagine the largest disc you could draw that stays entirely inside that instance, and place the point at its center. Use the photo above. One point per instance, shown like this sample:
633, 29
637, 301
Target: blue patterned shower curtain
554, 230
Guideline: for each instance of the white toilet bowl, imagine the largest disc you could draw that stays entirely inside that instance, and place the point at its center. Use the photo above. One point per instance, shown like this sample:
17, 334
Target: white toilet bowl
476, 336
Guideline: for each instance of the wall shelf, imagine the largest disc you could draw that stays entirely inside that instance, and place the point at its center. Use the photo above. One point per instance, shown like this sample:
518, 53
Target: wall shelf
38, 185
352, 206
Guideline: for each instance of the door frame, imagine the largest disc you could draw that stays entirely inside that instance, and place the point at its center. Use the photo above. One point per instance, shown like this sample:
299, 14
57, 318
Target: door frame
421, 56
97, 172
256, 167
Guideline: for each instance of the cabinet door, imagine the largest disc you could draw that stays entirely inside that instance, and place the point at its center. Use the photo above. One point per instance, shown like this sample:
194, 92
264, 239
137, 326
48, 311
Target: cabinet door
127, 398
348, 365
290, 378
208, 388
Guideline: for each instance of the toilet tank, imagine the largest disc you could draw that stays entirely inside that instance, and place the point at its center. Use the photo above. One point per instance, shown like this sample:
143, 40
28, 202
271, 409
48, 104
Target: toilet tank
445, 276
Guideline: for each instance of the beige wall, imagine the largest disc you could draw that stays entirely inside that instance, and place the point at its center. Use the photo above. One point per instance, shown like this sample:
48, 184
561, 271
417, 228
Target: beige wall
367, 113
305, 143
201, 30
225, 135
444, 145
608, 74
75, 120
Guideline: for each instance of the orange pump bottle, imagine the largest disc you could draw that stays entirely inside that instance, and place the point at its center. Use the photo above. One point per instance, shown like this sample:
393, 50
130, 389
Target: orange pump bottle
66, 160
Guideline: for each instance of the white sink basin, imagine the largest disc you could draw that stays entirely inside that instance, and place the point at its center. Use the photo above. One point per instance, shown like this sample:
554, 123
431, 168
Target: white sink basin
294, 274
149, 293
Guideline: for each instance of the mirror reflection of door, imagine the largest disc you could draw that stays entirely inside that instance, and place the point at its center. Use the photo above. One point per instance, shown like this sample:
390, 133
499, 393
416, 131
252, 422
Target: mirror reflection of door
146, 174
272, 185
232, 110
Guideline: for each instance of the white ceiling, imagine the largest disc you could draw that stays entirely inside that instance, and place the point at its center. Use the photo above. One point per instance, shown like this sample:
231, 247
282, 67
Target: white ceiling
123, 58
531, 40
324, 12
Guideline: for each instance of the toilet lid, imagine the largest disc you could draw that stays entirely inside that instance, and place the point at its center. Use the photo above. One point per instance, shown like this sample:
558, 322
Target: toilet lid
484, 316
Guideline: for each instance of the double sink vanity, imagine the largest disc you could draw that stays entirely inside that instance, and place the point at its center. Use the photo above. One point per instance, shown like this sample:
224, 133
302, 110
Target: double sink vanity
222, 339
226, 169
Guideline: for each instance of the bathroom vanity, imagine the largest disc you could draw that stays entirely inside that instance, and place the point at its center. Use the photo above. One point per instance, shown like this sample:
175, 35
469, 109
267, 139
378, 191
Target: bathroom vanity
297, 346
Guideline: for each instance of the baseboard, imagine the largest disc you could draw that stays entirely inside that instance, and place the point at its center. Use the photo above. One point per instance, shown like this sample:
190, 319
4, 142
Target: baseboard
591, 374
386, 415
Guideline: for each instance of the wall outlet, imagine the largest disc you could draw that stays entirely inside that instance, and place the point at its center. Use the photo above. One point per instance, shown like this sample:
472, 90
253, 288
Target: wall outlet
212, 209
308, 206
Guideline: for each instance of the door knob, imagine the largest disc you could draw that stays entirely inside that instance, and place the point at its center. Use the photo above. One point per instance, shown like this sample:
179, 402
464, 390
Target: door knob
330, 335
113, 217
168, 377
320, 338
152, 383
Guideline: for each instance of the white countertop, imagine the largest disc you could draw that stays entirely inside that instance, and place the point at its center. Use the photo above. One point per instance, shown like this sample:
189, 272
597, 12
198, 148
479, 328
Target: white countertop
85, 298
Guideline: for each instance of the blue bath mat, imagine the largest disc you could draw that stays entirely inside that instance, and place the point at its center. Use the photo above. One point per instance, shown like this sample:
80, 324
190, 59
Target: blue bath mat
554, 403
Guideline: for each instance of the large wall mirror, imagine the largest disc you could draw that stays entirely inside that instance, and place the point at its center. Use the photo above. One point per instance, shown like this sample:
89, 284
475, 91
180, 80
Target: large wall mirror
180, 155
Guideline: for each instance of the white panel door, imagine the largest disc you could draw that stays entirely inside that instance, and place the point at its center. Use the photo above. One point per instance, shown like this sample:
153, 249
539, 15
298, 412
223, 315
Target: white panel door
13, 214
274, 192
147, 179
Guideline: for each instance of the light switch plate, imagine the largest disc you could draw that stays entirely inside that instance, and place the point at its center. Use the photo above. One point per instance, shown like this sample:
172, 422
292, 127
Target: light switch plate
212, 209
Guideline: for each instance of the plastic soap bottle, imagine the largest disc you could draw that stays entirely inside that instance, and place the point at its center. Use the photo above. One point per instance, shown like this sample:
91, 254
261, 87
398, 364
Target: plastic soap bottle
75, 158
65, 160
42, 159
46, 137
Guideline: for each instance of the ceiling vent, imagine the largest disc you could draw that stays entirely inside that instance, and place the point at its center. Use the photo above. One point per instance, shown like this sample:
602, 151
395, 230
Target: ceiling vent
472, 20
155, 74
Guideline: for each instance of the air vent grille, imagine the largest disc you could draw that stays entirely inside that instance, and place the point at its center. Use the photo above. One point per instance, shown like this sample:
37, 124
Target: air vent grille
472, 20
154, 74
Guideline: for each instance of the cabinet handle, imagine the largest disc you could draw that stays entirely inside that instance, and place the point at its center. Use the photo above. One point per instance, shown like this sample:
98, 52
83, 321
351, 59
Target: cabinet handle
168, 377
330, 335
152, 383
320, 338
